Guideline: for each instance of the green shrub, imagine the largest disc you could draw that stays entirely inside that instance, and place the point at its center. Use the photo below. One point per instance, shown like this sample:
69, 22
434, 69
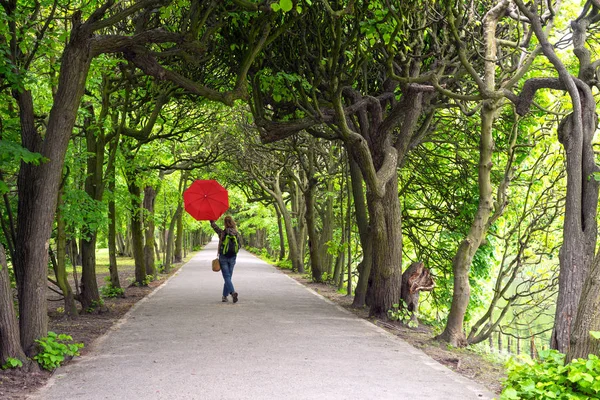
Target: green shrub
95, 304
53, 350
148, 279
12, 363
550, 378
399, 312
159, 266
285, 264
111, 291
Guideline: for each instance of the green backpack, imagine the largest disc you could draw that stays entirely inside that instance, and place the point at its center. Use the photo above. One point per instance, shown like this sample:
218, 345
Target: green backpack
230, 245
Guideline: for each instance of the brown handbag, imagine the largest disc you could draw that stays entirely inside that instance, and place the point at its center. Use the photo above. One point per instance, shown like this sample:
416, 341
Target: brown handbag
216, 265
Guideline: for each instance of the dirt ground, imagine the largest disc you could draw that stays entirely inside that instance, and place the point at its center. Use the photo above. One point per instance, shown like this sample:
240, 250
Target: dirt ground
17, 384
467, 363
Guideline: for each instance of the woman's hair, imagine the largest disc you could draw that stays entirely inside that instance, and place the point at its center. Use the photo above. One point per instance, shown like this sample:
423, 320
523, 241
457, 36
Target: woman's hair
229, 222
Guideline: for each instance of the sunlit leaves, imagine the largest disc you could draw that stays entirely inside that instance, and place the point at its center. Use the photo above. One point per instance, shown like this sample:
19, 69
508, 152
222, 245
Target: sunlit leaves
82, 213
283, 5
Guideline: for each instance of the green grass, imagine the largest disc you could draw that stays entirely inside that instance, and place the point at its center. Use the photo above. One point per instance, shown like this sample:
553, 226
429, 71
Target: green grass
102, 262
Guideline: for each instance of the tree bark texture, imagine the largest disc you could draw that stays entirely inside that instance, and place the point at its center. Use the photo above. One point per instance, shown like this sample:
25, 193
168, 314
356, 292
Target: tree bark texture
137, 234
295, 255
60, 271
89, 295
387, 249
178, 256
316, 266
171, 238
280, 229
588, 318
149, 199
362, 221
10, 345
112, 226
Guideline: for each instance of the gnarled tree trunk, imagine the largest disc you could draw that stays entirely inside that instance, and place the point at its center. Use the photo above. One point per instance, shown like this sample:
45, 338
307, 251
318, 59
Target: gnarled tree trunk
415, 280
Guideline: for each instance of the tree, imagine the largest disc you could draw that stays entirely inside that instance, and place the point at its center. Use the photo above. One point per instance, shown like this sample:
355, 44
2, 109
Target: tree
374, 105
575, 133
491, 97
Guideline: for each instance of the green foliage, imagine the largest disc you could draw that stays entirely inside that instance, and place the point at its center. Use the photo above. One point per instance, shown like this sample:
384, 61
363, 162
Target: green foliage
160, 267
54, 349
109, 291
550, 378
399, 312
145, 281
284, 264
262, 253
95, 304
326, 277
283, 5
12, 363
82, 212
12, 153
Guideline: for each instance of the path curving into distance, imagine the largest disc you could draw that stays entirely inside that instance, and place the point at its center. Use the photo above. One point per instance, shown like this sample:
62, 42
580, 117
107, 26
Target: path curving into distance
280, 341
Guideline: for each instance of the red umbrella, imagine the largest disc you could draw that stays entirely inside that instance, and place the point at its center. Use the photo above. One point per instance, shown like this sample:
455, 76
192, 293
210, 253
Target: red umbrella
206, 200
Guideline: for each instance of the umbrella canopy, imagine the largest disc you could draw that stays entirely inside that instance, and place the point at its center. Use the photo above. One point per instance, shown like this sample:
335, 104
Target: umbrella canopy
206, 200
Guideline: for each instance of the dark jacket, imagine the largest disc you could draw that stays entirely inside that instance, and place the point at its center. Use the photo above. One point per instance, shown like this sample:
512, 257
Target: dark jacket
223, 232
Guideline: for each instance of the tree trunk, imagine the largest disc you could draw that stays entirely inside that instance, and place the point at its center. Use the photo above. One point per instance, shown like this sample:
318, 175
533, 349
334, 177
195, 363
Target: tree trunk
94, 187
89, 295
178, 257
328, 221
112, 227
170, 239
317, 269
579, 237
387, 249
60, 272
281, 234
38, 185
362, 221
588, 317
137, 234
338, 272
149, 198
10, 345
294, 243
349, 238
461, 263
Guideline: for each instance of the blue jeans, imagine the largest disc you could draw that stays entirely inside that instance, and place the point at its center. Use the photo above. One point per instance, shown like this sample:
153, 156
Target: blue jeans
227, 264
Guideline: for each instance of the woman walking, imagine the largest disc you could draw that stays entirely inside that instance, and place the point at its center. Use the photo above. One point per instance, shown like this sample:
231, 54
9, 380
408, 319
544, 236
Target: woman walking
229, 244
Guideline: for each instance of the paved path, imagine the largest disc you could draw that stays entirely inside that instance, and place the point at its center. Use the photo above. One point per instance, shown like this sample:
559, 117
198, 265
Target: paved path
280, 341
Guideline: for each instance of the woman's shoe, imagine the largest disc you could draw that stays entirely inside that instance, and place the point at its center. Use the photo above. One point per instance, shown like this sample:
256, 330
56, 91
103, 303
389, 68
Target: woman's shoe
224, 299
235, 296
